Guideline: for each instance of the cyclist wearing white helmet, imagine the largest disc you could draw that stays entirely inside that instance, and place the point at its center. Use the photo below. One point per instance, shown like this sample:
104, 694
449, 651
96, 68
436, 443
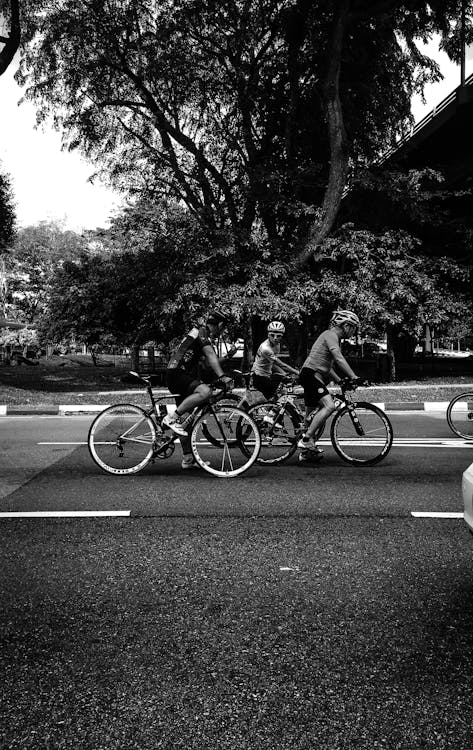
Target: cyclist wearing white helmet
267, 367
317, 371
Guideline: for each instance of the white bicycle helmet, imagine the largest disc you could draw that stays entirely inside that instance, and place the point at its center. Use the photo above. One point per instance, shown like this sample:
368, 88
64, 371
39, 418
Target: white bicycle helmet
276, 327
340, 317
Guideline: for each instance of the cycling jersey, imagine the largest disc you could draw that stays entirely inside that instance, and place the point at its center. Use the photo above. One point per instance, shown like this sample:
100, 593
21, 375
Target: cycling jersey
188, 353
264, 358
324, 354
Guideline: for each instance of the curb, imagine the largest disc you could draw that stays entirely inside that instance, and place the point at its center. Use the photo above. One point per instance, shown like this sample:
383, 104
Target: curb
80, 409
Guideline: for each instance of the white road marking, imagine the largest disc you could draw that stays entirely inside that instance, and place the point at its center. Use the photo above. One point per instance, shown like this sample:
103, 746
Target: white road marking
65, 513
62, 443
435, 514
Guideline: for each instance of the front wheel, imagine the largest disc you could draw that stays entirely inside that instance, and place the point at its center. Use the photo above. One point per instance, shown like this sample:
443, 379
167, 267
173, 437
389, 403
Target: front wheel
460, 415
362, 435
225, 440
121, 439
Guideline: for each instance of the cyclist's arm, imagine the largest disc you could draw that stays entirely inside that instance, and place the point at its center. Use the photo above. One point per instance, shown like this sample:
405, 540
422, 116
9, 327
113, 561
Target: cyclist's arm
284, 366
212, 360
338, 359
333, 375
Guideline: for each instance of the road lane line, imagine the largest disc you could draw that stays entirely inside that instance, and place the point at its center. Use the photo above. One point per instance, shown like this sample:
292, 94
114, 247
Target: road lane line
57, 442
435, 514
65, 514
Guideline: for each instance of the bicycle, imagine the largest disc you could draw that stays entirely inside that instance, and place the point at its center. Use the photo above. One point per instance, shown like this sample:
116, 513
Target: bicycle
360, 432
125, 438
460, 415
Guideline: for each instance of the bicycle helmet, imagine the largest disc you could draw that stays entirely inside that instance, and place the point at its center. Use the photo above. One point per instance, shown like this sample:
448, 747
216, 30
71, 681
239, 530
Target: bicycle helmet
276, 327
340, 317
217, 316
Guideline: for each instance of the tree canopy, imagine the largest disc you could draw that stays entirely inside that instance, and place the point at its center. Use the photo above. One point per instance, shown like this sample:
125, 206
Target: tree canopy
248, 112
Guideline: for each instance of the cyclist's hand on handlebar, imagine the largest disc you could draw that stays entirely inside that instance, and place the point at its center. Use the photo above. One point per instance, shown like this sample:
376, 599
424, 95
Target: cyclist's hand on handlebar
224, 382
357, 382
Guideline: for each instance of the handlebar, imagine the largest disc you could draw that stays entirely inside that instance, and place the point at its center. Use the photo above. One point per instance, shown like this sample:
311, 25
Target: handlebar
349, 384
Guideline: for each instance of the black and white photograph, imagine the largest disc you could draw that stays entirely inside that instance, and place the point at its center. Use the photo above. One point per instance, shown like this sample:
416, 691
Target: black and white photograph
236, 374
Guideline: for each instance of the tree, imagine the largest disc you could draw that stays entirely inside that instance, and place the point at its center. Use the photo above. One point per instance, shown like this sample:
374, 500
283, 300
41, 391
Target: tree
37, 251
7, 233
221, 106
394, 287
7, 213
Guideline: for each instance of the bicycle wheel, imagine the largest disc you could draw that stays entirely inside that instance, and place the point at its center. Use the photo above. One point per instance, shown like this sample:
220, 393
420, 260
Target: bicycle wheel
225, 440
362, 437
460, 415
279, 434
121, 439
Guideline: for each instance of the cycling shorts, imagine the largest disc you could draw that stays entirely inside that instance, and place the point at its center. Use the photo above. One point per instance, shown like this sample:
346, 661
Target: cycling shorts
267, 386
314, 388
180, 381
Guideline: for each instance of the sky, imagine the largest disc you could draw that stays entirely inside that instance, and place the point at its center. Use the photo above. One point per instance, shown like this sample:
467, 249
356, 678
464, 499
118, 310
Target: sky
50, 184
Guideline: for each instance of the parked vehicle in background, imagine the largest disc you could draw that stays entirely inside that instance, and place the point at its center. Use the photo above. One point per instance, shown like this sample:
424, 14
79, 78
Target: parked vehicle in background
467, 490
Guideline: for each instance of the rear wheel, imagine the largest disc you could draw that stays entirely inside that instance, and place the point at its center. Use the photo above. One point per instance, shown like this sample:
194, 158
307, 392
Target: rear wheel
361, 435
460, 415
121, 439
279, 427
225, 440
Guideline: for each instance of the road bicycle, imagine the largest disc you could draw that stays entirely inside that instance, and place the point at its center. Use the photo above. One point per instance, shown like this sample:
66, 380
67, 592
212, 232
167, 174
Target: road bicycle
360, 432
125, 438
460, 415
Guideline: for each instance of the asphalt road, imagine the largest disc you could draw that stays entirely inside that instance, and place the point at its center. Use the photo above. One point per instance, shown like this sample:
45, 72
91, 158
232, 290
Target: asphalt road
293, 607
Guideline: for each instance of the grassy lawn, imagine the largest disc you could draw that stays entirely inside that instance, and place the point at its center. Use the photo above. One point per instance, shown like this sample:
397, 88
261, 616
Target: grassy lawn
59, 382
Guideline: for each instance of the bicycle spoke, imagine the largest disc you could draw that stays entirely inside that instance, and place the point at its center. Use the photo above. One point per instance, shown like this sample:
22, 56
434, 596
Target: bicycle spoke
363, 437
117, 440
217, 437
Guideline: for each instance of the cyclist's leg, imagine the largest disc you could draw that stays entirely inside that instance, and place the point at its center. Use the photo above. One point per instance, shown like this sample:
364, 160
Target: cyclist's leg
192, 393
316, 396
265, 386
326, 408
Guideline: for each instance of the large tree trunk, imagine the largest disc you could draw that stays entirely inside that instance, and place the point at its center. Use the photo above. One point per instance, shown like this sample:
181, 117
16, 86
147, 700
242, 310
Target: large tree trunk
337, 137
391, 356
135, 357
248, 345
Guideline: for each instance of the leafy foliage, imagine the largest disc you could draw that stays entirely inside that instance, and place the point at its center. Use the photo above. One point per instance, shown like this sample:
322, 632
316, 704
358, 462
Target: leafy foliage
38, 250
7, 213
222, 105
391, 284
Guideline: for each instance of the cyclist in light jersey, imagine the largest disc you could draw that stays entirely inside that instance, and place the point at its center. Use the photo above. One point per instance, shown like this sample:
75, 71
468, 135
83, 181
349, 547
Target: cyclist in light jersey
317, 371
267, 368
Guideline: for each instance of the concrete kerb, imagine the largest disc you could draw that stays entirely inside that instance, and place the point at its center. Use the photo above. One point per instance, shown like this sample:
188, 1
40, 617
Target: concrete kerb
93, 408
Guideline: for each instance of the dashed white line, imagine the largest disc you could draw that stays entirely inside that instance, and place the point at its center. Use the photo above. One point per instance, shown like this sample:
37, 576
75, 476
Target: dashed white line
65, 513
435, 514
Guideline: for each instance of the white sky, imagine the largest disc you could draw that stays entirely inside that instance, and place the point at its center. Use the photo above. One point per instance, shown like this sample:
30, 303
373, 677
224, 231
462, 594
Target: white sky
52, 184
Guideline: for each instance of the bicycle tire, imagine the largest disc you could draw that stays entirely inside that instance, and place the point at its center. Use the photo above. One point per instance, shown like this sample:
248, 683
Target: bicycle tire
121, 439
366, 443
278, 444
460, 415
217, 445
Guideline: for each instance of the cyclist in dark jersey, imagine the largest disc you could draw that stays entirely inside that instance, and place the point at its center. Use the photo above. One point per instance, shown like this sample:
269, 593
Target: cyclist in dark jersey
182, 376
317, 371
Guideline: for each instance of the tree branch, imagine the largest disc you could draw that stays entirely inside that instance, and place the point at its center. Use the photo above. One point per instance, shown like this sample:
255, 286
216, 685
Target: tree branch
13, 41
